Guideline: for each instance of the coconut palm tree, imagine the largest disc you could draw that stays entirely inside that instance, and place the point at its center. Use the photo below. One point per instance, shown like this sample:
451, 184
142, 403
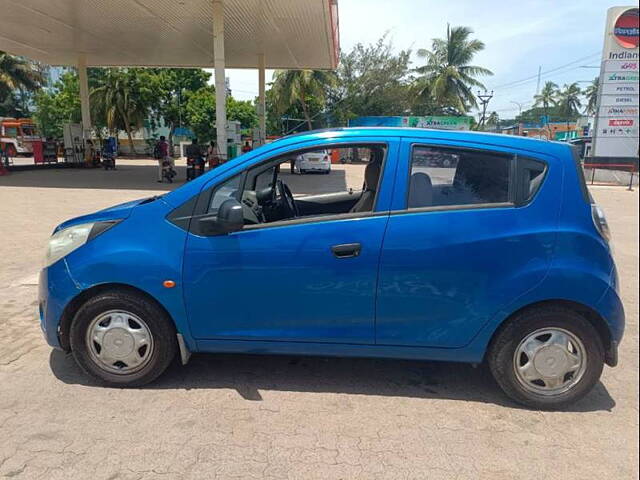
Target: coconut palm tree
493, 120
16, 73
591, 94
569, 100
547, 97
448, 75
298, 86
116, 99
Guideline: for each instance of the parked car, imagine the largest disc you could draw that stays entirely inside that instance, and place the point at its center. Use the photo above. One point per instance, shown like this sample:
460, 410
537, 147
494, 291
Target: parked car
503, 259
316, 161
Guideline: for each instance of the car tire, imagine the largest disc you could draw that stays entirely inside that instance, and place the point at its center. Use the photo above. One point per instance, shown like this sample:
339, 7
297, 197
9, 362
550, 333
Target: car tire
537, 331
139, 317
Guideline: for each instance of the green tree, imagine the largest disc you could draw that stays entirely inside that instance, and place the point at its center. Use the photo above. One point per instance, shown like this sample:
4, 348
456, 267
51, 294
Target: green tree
299, 87
58, 105
547, 97
122, 100
493, 120
591, 94
371, 80
173, 86
242, 111
569, 100
17, 74
448, 76
19, 78
200, 112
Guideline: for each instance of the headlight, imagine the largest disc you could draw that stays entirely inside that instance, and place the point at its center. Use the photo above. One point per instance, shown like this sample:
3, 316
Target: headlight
63, 242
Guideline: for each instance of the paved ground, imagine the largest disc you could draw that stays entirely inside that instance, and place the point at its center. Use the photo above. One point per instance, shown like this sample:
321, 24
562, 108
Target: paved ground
227, 416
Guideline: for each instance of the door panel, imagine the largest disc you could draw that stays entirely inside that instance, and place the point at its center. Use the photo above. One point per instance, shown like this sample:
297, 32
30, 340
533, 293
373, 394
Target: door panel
444, 274
285, 283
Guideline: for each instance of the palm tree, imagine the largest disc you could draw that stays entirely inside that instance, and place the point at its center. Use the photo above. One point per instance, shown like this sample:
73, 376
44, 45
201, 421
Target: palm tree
591, 93
17, 73
493, 119
448, 75
117, 100
547, 97
299, 86
569, 100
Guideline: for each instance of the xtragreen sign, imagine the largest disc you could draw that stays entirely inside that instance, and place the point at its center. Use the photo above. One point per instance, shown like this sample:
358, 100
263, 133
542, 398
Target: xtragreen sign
439, 122
442, 123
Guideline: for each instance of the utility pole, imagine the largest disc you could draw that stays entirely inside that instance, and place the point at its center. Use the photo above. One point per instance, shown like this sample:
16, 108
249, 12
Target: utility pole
538, 84
484, 100
519, 107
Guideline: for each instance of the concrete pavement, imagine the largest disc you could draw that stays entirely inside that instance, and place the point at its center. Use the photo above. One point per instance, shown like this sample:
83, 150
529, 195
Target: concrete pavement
226, 416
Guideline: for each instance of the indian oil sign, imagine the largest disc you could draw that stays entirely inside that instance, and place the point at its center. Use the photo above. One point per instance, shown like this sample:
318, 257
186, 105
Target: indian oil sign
615, 134
626, 30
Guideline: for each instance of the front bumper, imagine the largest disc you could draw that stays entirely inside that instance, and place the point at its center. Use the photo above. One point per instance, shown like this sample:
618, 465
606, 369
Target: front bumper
55, 290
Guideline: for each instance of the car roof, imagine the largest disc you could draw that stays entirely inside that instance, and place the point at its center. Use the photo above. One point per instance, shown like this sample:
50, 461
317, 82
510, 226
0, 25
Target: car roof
462, 136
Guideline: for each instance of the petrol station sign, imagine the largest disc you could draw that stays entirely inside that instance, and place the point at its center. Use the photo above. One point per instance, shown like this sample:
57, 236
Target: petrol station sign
615, 137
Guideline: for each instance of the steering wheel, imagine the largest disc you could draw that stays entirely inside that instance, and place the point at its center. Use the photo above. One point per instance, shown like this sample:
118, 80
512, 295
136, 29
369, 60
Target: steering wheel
286, 199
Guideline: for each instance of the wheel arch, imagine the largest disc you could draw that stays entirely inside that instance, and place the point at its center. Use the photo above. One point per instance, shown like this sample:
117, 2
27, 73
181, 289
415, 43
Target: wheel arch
74, 305
598, 322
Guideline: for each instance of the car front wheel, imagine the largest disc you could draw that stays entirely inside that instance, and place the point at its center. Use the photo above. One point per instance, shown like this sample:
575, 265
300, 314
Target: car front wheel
122, 339
547, 358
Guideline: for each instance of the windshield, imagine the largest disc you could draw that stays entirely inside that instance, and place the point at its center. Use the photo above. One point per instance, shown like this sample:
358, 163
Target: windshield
11, 131
29, 130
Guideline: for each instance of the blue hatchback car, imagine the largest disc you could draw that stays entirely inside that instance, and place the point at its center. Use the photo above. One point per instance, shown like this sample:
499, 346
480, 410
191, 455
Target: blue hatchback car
458, 246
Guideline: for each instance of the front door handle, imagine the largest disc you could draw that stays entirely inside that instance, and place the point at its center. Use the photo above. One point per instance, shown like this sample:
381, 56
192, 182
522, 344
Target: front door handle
346, 250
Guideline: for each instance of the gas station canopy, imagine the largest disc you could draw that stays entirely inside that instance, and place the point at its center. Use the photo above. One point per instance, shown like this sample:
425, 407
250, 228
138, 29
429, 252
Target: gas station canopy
261, 34
291, 34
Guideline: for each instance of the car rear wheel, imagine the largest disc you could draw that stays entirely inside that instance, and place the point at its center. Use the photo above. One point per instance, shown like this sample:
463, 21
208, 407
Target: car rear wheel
122, 339
547, 358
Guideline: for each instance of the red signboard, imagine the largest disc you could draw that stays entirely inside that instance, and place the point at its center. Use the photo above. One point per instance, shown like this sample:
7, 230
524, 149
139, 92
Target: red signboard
627, 29
621, 123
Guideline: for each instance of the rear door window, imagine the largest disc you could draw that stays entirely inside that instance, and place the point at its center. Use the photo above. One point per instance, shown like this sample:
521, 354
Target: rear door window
443, 176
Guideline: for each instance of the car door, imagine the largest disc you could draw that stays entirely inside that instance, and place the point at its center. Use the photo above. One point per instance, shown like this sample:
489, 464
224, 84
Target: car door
467, 234
302, 280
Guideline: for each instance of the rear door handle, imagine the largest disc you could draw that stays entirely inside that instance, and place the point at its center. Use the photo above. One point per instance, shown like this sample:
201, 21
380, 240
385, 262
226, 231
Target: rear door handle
346, 250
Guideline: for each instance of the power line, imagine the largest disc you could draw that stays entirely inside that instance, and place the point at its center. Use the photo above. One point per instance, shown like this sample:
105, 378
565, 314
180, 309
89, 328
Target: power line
523, 81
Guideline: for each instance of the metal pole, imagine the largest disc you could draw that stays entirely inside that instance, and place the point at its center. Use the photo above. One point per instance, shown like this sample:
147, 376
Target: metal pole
219, 69
262, 122
631, 182
84, 93
484, 99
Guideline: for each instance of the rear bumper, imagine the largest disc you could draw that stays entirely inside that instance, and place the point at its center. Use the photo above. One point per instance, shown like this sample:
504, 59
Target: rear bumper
55, 290
310, 167
611, 354
612, 310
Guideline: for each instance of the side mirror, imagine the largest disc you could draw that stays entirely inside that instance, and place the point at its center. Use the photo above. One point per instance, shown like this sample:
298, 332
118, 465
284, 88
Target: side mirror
229, 219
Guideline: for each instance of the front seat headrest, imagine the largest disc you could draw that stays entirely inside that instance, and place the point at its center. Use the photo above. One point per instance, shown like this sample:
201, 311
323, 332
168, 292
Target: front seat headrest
420, 191
371, 175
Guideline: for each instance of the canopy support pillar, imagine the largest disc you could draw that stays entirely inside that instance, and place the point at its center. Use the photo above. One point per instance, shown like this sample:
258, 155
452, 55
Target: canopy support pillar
84, 93
220, 81
262, 123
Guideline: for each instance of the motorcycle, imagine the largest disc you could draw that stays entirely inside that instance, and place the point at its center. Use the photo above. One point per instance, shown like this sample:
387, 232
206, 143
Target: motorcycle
167, 171
195, 168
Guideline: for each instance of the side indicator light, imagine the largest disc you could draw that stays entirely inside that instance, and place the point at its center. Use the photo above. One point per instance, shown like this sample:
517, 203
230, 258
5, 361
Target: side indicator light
168, 284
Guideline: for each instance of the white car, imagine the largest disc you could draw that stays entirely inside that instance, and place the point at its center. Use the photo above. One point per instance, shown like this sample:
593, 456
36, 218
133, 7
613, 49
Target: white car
318, 161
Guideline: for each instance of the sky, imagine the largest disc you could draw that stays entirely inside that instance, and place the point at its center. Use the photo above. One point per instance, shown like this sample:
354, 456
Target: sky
520, 36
